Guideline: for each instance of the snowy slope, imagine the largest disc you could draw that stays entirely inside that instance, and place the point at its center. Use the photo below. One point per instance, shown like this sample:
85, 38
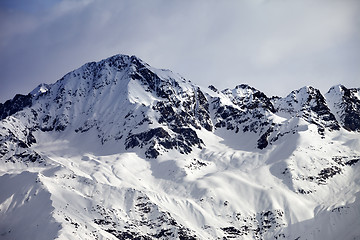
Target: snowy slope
120, 150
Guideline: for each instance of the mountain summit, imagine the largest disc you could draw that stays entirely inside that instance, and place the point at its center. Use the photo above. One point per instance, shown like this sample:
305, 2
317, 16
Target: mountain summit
118, 149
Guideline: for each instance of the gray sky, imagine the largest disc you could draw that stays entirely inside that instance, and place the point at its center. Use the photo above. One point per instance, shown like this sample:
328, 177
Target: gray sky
273, 45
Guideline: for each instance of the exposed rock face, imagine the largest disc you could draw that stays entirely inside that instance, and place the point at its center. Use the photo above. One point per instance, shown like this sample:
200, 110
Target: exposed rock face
346, 105
158, 139
15, 142
18, 103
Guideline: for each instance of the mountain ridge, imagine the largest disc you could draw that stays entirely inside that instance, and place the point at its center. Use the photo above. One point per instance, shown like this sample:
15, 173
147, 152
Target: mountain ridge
145, 154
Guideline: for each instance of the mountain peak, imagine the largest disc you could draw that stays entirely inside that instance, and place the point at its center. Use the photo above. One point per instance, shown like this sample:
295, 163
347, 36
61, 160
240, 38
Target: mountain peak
246, 96
42, 88
121, 59
337, 88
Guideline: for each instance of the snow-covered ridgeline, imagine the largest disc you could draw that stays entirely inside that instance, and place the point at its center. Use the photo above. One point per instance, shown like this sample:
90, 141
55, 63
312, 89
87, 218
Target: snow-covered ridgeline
119, 149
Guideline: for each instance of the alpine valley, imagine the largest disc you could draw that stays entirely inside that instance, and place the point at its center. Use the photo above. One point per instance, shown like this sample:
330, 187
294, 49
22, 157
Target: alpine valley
118, 149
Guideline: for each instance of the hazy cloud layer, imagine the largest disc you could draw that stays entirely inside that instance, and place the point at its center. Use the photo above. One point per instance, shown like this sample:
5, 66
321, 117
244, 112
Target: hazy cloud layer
274, 45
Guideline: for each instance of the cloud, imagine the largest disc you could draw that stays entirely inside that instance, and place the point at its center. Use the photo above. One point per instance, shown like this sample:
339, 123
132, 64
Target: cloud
273, 45
302, 29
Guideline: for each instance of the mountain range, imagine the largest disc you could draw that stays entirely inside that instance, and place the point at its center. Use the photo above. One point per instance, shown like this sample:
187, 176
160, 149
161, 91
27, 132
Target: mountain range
117, 149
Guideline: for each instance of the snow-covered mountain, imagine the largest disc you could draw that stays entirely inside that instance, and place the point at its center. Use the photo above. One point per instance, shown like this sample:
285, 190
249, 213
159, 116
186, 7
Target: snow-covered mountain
120, 150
